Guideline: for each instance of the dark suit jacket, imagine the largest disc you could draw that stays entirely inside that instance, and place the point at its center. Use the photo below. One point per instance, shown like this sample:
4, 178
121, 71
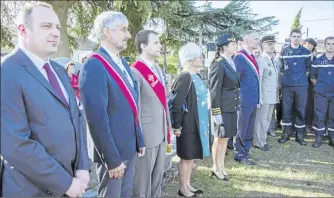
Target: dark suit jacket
189, 120
224, 86
110, 118
249, 81
41, 140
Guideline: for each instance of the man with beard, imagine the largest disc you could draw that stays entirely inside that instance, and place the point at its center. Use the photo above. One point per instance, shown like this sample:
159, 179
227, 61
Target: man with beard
110, 98
295, 60
153, 113
249, 96
322, 75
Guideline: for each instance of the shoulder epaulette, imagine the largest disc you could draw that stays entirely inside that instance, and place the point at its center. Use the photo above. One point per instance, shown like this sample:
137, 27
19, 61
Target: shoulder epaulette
219, 59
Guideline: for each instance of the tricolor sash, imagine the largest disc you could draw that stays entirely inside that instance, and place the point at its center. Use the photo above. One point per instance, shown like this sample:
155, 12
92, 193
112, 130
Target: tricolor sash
251, 61
122, 85
157, 87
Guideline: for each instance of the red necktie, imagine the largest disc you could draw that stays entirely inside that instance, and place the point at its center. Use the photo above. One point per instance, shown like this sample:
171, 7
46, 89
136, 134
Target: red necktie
54, 82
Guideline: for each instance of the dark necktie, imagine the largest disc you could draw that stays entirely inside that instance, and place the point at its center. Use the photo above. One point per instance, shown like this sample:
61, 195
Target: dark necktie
54, 82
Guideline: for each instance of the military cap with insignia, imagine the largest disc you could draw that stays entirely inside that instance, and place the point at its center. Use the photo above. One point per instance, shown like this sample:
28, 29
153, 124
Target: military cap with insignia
267, 39
311, 41
225, 39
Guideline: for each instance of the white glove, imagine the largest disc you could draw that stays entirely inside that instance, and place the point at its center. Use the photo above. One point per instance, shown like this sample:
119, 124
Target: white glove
218, 119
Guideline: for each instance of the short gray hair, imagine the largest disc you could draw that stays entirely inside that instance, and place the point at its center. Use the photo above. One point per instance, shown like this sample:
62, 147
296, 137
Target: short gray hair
24, 15
189, 52
248, 33
110, 20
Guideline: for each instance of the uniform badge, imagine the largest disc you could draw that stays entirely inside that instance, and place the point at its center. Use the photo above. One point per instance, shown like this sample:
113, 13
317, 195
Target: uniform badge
294, 63
329, 73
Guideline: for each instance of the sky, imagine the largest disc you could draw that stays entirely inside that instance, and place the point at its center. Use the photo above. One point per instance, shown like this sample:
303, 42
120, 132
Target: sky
317, 16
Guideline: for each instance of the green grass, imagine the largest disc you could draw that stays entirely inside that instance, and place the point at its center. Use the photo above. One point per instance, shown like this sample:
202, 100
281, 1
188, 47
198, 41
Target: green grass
286, 170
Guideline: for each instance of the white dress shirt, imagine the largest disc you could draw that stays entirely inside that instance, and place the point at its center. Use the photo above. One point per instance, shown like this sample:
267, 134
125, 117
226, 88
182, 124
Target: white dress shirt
39, 63
119, 63
152, 66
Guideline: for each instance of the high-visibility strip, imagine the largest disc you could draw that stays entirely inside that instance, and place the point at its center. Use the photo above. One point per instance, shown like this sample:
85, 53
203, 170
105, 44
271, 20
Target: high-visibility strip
296, 56
315, 128
322, 65
330, 129
299, 126
286, 124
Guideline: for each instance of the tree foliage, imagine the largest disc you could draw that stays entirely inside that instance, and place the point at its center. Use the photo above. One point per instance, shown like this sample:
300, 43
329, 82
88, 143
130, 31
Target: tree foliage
182, 20
296, 22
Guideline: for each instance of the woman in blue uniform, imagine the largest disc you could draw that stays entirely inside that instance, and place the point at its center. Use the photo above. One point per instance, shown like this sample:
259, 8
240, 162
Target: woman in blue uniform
224, 94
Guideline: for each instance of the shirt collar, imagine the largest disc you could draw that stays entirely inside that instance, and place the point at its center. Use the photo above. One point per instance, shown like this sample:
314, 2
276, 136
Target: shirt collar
324, 57
38, 62
149, 63
115, 57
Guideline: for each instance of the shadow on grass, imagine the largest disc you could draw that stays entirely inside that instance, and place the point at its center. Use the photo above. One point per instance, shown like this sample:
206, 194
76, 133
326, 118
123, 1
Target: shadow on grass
286, 170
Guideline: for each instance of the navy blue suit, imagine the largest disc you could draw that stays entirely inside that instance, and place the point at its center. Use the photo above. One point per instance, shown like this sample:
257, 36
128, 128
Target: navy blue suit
249, 98
323, 72
110, 120
295, 63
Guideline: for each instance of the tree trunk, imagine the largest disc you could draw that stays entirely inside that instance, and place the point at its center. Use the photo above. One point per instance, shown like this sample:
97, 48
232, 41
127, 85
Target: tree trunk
61, 9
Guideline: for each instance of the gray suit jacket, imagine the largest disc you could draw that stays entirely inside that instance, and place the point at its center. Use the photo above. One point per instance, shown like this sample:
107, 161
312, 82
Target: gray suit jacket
269, 73
41, 140
152, 114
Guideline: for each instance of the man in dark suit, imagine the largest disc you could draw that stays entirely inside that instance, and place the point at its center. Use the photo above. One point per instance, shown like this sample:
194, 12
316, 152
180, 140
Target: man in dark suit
249, 96
110, 98
43, 147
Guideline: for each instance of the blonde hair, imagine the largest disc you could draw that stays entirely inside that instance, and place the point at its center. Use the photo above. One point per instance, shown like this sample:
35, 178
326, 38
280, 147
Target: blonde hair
189, 52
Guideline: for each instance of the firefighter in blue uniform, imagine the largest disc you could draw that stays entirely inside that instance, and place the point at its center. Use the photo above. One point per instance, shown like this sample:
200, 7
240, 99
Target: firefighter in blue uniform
295, 61
311, 45
322, 75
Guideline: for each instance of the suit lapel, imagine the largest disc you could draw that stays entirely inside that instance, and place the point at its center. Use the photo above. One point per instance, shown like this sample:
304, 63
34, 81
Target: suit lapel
63, 78
133, 89
32, 69
232, 70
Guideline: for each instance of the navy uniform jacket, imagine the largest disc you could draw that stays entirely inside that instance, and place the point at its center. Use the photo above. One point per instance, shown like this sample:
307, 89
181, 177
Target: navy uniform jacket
294, 65
224, 87
249, 80
109, 116
323, 71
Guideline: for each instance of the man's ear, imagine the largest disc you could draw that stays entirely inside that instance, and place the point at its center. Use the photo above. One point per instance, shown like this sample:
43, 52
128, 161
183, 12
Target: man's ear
22, 29
142, 46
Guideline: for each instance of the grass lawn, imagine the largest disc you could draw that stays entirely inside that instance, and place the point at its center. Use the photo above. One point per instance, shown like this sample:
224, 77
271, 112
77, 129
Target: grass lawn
286, 170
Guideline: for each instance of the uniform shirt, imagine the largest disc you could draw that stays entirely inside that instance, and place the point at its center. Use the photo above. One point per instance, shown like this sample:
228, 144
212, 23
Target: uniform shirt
323, 71
230, 61
39, 63
295, 62
119, 63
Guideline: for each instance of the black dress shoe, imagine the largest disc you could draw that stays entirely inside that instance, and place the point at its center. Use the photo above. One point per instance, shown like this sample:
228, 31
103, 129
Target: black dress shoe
222, 179
268, 146
300, 139
182, 195
318, 142
198, 191
284, 138
245, 161
263, 148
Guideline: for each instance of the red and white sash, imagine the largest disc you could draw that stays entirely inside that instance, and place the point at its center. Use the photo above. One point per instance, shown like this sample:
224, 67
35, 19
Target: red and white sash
251, 61
157, 87
122, 85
